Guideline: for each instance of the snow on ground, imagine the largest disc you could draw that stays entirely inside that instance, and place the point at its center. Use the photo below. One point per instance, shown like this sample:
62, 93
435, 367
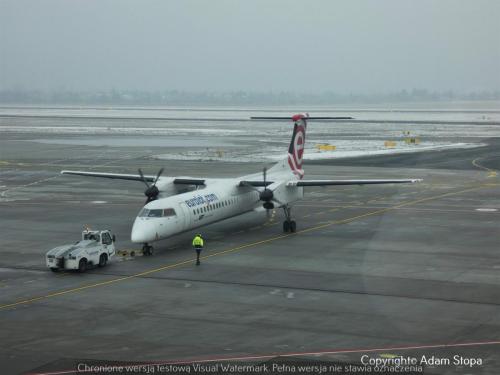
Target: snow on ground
279, 130
345, 149
114, 130
200, 134
382, 150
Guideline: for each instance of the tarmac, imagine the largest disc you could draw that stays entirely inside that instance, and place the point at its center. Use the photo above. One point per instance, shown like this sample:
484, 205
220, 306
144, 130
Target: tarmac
390, 270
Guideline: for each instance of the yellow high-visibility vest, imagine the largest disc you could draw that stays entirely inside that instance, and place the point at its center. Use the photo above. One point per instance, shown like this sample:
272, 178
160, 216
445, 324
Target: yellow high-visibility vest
197, 241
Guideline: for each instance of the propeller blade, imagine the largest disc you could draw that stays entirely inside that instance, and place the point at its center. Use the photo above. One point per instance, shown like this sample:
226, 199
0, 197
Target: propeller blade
265, 175
250, 186
142, 177
158, 176
152, 191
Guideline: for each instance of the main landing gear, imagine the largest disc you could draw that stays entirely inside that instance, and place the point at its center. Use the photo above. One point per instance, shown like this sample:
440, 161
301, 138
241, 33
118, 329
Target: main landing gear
147, 249
289, 225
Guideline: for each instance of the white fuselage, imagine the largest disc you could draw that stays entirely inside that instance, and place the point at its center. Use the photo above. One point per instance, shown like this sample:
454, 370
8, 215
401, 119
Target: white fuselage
217, 200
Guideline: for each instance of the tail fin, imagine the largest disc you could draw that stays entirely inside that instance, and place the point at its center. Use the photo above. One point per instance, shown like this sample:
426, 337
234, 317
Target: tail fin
296, 148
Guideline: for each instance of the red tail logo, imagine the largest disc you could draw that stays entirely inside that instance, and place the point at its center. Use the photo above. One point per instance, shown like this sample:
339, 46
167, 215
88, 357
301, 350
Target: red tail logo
296, 149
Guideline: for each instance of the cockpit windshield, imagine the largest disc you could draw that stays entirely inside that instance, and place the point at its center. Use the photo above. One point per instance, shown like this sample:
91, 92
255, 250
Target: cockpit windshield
151, 213
169, 212
145, 212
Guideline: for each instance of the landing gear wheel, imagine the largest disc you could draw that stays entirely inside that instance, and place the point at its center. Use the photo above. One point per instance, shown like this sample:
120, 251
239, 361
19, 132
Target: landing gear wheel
289, 225
82, 265
268, 205
286, 226
103, 259
54, 269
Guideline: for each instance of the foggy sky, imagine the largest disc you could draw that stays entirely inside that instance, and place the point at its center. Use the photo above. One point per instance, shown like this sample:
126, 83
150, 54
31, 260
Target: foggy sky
259, 45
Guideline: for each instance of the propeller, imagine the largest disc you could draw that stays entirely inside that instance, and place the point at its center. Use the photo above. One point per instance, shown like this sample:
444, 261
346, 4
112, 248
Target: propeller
266, 195
151, 191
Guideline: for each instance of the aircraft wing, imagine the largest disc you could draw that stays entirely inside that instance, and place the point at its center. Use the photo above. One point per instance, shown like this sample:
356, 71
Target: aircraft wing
350, 182
135, 177
119, 176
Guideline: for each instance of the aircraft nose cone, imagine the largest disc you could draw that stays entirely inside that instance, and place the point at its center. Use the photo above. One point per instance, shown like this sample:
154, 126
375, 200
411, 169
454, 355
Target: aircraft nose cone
143, 231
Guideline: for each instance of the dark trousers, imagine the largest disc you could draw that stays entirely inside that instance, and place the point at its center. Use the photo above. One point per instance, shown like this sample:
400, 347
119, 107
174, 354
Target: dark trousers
198, 252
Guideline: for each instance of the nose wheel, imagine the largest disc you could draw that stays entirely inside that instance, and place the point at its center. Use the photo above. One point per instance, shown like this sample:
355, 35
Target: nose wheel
289, 225
147, 250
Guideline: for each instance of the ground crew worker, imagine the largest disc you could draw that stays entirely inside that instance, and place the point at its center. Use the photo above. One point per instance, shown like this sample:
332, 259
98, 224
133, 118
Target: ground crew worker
198, 246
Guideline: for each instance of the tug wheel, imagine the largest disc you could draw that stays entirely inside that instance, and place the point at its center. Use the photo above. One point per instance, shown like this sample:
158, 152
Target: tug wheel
82, 265
103, 259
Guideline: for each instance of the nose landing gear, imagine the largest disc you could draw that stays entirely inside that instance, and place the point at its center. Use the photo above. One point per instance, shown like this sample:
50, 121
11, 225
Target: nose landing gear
289, 225
147, 250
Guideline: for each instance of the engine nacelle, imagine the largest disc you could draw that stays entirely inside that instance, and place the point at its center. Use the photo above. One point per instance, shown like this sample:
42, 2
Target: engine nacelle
283, 193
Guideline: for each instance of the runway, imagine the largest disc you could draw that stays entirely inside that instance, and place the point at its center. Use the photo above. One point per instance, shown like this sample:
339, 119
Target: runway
384, 270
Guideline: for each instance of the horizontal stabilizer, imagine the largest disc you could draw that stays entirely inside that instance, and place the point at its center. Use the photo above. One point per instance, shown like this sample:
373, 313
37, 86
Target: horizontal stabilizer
271, 118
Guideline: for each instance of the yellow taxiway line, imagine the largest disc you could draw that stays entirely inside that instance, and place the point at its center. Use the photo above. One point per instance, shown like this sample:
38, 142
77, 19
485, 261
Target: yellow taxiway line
491, 172
241, 247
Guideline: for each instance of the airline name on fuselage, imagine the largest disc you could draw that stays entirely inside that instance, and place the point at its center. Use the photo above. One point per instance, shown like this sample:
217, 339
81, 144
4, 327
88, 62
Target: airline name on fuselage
196, 201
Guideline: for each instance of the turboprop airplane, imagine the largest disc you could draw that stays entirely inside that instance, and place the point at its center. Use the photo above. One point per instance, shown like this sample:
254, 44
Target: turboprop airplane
179, 204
